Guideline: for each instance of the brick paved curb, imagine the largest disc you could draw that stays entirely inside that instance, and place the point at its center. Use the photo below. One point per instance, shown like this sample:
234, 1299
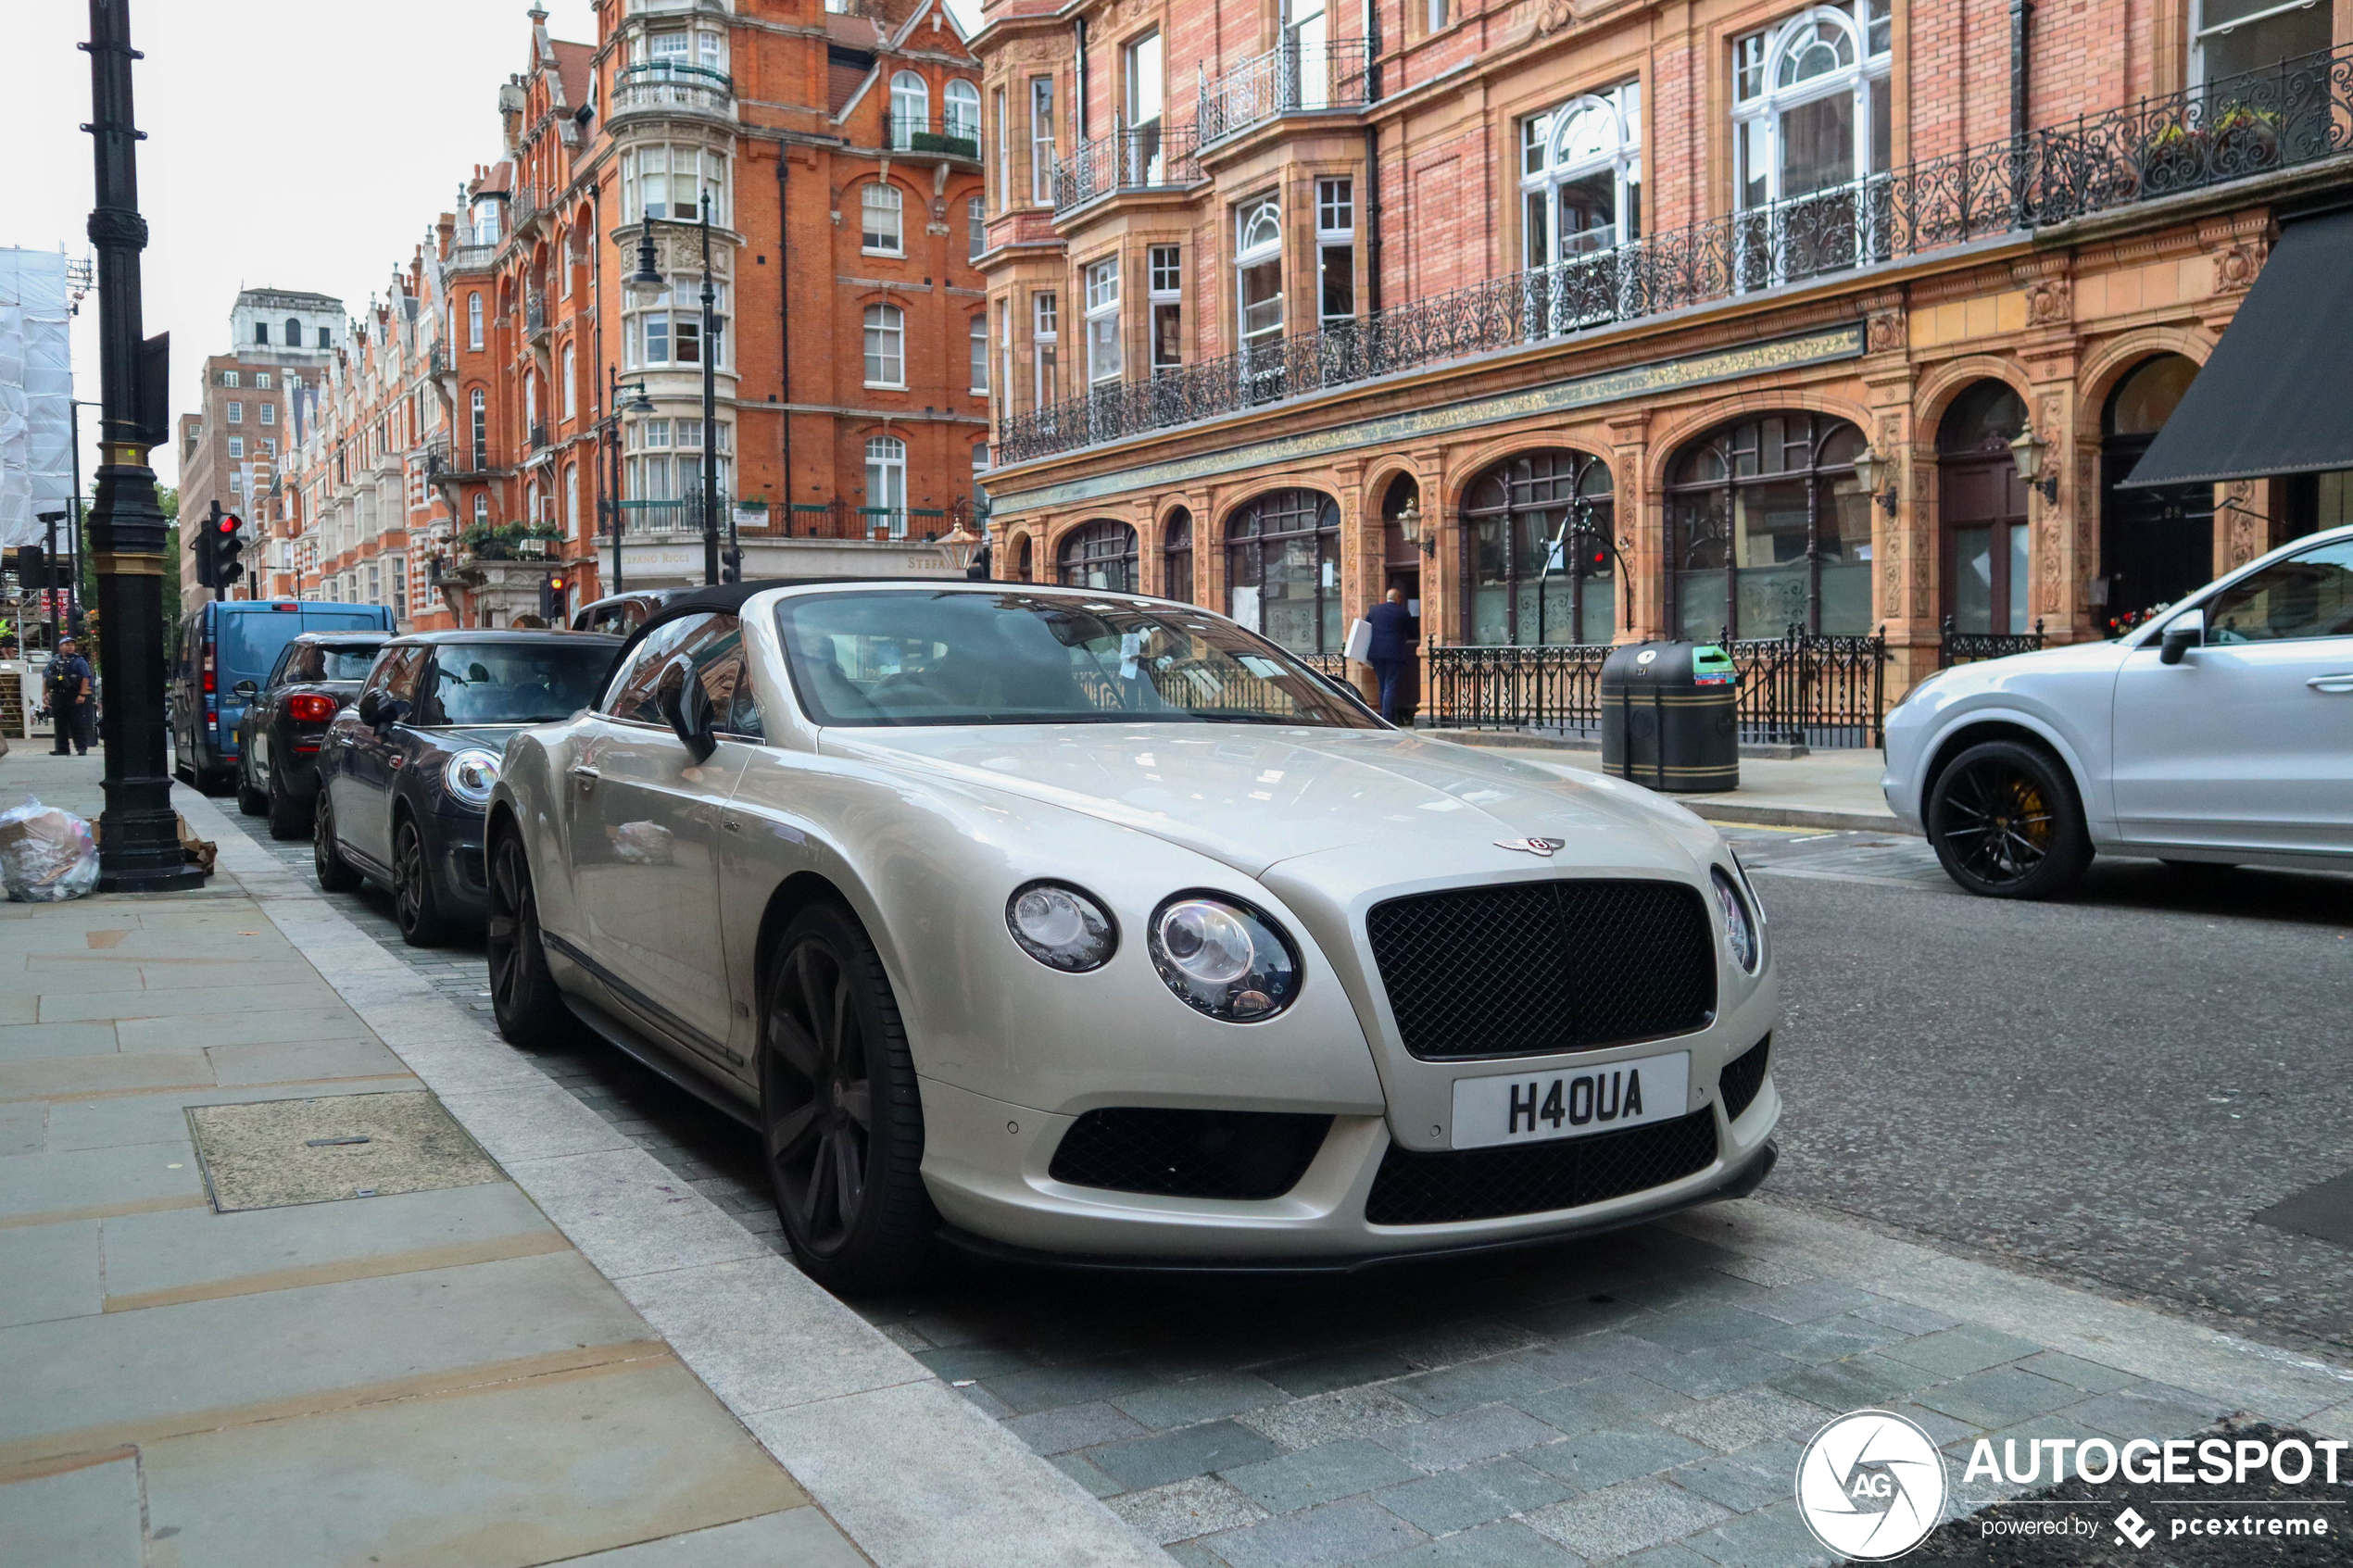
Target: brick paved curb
913, 1472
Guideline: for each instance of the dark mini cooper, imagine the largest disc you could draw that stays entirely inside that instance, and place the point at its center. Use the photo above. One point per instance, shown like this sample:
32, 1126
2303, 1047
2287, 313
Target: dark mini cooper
406, 771
286, 717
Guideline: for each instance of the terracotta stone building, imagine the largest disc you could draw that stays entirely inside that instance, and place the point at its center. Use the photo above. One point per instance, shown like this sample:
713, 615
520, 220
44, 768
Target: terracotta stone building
1584, 320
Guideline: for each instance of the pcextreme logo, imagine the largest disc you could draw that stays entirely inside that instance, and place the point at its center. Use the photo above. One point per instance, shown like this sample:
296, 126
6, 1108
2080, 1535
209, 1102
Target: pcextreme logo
1871, 1486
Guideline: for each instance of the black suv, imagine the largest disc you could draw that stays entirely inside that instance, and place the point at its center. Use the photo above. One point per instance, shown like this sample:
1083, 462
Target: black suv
286, 716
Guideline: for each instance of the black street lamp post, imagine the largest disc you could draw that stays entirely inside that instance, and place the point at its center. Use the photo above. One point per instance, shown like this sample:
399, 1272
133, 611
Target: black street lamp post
710, 409
139, 846
614, 407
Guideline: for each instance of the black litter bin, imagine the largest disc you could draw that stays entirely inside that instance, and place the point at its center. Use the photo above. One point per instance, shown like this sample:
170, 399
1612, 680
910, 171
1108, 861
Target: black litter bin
1670, 717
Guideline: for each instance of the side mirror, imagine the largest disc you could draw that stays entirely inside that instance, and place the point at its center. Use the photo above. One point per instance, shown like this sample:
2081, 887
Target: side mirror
688, 707
369, 707
246, 689
2182, 634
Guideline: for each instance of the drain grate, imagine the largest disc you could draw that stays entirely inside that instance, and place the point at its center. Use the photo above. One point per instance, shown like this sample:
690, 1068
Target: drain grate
286, 1151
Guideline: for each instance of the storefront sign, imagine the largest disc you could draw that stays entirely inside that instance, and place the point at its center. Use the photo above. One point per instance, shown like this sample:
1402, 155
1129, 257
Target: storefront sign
1586, 392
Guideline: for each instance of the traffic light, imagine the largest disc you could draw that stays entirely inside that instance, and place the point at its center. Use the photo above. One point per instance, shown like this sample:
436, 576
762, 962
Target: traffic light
228, 544
731, 565
551, 600
200, 544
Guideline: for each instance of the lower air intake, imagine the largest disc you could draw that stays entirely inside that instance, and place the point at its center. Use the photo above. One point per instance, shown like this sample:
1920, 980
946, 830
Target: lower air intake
1238, 1154
1742, 1076
1487, 1183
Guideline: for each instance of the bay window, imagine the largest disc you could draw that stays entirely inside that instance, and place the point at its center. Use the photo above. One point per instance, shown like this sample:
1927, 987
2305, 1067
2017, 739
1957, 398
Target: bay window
1165, 278
1336, 250
1041, 139
1258, 269
1102, 322
1046, 333
667, 183
667, 328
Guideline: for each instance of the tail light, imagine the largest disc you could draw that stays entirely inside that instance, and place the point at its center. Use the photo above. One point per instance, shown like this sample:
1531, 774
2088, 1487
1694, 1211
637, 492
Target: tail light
310, 706
207, 667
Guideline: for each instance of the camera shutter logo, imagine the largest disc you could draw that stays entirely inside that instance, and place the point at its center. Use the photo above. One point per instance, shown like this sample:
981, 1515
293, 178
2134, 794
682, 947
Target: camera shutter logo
1871, 1486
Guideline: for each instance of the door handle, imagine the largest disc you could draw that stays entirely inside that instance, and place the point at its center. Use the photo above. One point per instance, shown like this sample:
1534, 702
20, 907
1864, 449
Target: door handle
2339, 683
586, 775
731, 824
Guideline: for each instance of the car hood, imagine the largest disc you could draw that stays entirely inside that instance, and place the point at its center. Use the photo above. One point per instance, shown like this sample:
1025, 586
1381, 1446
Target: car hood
1253, 796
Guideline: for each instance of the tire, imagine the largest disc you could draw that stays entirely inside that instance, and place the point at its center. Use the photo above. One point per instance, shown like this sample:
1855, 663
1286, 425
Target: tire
415, 908
2006, 822
216, 781
251, 801
838, 1105
523, 997
336, 874
289, 818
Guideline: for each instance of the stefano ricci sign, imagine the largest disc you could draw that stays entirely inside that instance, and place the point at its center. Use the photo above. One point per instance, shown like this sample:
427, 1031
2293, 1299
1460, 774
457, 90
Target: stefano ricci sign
1872, 1485
1553, 397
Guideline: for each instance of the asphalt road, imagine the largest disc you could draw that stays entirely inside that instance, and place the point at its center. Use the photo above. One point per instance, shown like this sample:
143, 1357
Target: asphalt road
2103, 1089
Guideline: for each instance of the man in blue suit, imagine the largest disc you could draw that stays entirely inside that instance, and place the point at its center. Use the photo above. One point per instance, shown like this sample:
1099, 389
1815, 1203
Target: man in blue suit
1392, 654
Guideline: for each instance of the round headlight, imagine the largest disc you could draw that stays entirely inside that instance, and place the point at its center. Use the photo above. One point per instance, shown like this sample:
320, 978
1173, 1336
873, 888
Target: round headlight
471, 775
1740, 932
1223, 957
1061, 927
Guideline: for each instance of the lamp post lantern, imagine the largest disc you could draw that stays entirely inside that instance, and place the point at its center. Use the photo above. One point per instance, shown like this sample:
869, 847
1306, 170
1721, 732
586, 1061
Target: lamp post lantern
139, 848
640, 405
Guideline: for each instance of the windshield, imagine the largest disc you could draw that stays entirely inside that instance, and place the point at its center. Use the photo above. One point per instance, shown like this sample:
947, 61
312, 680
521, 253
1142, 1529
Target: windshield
915, 658
513, 682
314, 661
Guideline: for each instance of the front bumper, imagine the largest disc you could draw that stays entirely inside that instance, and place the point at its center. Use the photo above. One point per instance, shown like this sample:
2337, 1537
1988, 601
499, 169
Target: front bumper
986, 1164
463, 893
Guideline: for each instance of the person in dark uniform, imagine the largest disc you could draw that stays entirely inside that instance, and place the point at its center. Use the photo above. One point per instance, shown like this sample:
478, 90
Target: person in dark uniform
72, 707
1392, 654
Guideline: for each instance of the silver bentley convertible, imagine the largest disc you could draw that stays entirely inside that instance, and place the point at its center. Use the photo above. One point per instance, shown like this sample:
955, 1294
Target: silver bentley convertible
1052, 923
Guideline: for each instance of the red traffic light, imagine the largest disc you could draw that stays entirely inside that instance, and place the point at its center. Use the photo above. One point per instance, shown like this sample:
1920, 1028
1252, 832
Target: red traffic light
555, 584
229, 523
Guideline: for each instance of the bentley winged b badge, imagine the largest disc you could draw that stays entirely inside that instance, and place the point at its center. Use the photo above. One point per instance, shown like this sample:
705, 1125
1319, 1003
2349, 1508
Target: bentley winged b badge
1541, 848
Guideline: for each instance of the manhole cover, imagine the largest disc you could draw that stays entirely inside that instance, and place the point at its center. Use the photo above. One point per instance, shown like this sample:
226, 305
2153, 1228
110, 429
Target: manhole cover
286, 1151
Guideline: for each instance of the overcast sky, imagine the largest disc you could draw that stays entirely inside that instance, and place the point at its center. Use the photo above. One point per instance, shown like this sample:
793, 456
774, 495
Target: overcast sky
290, 143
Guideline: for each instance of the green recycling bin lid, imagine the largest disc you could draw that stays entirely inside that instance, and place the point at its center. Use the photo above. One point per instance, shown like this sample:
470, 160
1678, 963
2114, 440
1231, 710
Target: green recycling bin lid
1711, 666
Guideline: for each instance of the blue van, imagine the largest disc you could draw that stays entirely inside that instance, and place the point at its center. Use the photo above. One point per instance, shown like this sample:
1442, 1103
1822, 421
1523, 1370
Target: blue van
233, 640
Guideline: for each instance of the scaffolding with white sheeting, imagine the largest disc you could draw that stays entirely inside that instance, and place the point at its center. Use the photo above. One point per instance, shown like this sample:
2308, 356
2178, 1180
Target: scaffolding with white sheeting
36, 392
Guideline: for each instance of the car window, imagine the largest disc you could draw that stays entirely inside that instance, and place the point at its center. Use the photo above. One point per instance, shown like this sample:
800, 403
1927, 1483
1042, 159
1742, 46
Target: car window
512, 683
717, 650
2306, 596
896, 657
631, 692
340, 664
396, 674
289, 661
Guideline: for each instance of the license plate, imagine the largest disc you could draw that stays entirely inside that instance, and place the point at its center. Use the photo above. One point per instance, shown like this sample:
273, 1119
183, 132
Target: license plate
1572, 1103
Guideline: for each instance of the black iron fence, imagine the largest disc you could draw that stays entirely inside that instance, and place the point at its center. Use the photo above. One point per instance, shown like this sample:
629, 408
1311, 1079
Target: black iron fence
916, 134
1800, 689
1969, 647
2294, 113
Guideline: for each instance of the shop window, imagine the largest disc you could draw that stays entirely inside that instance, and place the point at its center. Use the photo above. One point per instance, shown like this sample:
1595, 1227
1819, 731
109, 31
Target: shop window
1768, 529
1098, 555
1282, 569
1536, 572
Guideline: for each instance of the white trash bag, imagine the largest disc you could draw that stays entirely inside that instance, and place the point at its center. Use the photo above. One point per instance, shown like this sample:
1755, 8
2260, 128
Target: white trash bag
46, 855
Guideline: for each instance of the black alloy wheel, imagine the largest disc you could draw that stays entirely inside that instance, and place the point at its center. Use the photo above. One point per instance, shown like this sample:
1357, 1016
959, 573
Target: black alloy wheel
523, 997
2005, 823
414, 908
336, 874
289, 818
843, 1124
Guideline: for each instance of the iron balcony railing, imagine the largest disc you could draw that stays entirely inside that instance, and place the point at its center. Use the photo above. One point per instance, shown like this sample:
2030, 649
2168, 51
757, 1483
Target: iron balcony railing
437, 359
1131, 158
1969, 647
2296, 113
535, 313
913, 133
668, 87
1292, 78
645, 519
1800, 688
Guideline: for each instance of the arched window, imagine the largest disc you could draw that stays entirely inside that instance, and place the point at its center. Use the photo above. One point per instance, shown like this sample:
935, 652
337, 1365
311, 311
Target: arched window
1768, 529
886, 340
481, 508
960, 115
1282, 569
1176, 556
1580, 175
1810, 103
879, 222
1538, 573
1981, 508
910, 109
480, 431
1098, 555
887, 484
1025, 562
1258, 268
2155, 545
294, 331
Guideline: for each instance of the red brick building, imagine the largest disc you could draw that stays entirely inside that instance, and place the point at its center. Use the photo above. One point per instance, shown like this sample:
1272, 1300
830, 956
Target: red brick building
840, 156
1588, 319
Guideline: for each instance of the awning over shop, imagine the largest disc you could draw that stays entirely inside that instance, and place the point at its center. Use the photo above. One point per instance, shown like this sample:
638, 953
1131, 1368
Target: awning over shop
2277, 397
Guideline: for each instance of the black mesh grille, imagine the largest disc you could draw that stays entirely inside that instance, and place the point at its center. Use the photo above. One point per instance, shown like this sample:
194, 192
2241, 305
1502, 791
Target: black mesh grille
1485, 1184
1190, 1153
1742, 1076
1539, 967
